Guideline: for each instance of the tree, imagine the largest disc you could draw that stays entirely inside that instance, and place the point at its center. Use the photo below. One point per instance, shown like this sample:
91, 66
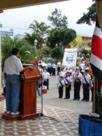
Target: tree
6, 46
53, 37
90, 16
39, 33
46, 52
57, 20
57, 53
68, 35
61, 37
26, 51
30, 38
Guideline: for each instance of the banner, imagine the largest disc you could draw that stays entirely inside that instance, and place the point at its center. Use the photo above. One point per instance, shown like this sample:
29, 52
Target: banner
70, 57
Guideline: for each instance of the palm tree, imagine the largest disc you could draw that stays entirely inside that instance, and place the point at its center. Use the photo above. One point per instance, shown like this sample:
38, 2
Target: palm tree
30, 38
40, 31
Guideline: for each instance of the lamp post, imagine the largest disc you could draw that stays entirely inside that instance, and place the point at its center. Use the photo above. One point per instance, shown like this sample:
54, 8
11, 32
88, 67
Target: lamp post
35, 46
35, 42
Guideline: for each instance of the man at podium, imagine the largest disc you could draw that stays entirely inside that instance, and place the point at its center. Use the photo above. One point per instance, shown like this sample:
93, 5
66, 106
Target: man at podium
12, 69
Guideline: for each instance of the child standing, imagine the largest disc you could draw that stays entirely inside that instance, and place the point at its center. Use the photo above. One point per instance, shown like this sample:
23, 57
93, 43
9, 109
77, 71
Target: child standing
60, 86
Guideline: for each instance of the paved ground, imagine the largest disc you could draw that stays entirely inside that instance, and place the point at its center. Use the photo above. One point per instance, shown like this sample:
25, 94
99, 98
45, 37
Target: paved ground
60, 116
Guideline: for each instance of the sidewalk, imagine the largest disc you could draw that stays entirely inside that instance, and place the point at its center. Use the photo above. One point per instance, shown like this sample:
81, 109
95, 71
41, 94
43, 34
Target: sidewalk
60, 117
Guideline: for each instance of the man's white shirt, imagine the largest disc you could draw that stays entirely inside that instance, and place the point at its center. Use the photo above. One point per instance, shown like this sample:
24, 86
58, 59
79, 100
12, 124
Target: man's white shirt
13, 65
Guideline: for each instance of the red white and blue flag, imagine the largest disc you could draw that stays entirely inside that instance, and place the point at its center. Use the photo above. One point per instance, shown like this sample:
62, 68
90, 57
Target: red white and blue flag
96, 56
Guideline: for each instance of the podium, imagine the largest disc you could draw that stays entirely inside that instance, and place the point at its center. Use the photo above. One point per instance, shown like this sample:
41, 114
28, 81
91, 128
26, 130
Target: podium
28, 106
29, 82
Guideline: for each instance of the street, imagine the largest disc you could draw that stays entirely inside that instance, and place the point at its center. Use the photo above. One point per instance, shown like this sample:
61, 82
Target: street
51, 99
59, 116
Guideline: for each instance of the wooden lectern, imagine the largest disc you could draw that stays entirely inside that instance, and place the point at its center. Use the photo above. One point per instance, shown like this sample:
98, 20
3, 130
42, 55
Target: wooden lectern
28, 106
29, 80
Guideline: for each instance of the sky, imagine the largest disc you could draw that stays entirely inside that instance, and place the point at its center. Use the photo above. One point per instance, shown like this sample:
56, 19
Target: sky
19, 19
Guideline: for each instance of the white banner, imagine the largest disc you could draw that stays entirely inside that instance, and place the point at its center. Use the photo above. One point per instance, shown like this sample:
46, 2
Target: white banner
70, 57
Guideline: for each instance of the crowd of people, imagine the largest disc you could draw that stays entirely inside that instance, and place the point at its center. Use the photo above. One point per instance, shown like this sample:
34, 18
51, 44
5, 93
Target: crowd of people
79, 77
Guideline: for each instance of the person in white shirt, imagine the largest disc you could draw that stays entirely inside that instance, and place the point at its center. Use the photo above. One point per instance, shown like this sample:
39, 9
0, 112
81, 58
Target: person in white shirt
77, 79
12, 69
68, 80
82, 66
60, 85
45, 77
86, 80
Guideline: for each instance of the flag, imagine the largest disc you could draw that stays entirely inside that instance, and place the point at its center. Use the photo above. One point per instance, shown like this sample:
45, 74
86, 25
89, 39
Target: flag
96, 56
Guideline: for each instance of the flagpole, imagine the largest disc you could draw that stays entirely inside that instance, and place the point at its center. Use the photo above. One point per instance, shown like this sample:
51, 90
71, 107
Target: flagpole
0, 62
41, 114
93, 100
94, 95
1, 11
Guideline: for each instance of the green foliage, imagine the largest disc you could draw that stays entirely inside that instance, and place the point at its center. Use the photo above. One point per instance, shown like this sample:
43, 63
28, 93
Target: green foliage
26, 50
57, 19
27, 54
68, 35
61, 37
40, 28
57, 53
30, 38
90, 16
46, 51
6, 46
85, 53
39, 32
54, 37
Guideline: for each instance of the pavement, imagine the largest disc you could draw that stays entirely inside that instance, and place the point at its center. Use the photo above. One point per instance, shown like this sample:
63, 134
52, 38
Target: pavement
60, 116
